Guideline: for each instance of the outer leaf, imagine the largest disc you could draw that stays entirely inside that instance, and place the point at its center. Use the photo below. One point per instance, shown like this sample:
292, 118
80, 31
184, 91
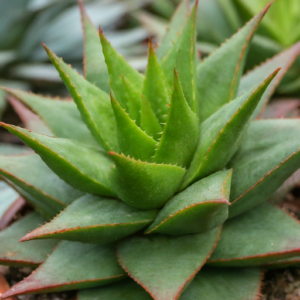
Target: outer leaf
82, 167
199, 208
182, 57
39, 182
93, 104
59, 115
30, 120
225, 284
84, 266
269, 154
151, 185
125, 290
95, 69
276, 236
165, 265
219, 74
132, 140
149, 122
154, 88
175, 26
32, 253
283, 60
10, 203
94, 220
118, 66
181, 134
221, 133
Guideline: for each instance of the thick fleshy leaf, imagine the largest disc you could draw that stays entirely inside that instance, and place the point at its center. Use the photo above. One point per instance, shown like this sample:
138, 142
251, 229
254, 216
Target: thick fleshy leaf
95, 69
225, 284
72, 265
262, 235
30, 120
82, 167
221, 133
31, 253
269, 154
219, 74
10, 203
60, 116
94, 220
118, 67
283, 60
40, 182
131, 97
125, 290
154, 88
144, 185
165, 265
133, 141
199, 208
181, 133
177, 22
93, 104
149, 122
182, 57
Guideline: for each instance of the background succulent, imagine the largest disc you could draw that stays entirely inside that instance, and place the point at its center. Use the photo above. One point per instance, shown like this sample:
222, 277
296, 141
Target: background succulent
172, 170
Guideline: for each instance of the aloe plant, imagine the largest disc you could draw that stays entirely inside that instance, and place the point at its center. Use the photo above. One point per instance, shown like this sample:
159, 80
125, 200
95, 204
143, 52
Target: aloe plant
158, 189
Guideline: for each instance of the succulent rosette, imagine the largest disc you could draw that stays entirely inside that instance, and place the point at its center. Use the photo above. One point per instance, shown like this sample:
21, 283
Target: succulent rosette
155, 186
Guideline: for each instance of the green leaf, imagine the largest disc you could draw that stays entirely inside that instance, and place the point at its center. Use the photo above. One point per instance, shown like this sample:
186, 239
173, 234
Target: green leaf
199, 208
269, 154
33, 253
125, 290
276, 236
117, 67
13, 149
82, 167
177, 22
218, 76
151, 185
94, 220
283, 60
132, 97
9, 204
95, 69
149, 122
60, 116
71, 266
30, 120
163, 265
154, 88
181, 133
225, 284
220, 134
39, 182
182, 57
132, 140
93, 104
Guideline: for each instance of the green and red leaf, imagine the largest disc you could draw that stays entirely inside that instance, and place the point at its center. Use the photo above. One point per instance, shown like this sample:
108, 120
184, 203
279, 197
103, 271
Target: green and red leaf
199, 208
262, 235
32, 253
94, 220
164, 265
71, 266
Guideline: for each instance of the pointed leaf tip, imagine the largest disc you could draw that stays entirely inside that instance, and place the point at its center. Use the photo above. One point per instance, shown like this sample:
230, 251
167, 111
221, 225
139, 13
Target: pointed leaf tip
151, 185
